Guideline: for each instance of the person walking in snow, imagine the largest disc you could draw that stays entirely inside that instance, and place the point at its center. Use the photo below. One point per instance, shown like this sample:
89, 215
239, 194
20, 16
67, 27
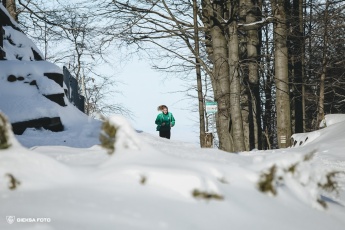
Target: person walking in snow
164, 122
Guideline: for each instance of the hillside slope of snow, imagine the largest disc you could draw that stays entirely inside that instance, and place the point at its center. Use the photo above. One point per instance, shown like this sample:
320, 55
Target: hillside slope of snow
154, 183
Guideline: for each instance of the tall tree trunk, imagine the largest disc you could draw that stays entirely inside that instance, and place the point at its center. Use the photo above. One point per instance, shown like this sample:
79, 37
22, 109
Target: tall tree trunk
302, 32
222, 87
253, 74
310, 118
296, 62
281, 74
198, 77
220, 75
11, 8
321, 111
268, 117
246, 107
225, 76
235, 90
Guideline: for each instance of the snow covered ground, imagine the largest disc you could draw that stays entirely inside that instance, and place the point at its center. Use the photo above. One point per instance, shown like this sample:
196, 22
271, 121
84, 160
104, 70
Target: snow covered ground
67, 181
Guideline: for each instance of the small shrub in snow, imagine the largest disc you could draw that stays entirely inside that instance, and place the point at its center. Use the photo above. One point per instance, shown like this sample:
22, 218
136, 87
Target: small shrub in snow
330, 184
4, 135
301, 177
206, 195
143, 179
107, 136
267, 181
13, 183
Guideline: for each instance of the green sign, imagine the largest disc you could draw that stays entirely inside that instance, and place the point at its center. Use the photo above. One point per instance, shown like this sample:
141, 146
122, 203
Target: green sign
211, 107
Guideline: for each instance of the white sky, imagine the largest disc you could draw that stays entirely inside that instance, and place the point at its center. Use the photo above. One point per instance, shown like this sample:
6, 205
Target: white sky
145, 89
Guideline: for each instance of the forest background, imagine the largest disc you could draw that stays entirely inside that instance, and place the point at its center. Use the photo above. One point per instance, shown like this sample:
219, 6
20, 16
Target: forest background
274, 67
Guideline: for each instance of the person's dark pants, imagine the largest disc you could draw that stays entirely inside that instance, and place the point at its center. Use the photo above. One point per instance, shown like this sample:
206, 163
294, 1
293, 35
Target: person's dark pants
164, 133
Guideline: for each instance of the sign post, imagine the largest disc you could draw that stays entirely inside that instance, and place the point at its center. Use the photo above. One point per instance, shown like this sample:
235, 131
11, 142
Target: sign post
212, 108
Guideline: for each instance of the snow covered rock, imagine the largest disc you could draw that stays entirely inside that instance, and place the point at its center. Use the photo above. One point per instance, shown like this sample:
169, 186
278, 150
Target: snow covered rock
31, 90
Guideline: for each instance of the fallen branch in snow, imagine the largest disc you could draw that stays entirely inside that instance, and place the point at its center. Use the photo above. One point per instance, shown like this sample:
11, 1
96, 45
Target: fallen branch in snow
13, 184
206, 195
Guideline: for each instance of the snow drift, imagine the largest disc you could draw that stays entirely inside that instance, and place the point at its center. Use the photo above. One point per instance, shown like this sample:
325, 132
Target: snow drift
154, 183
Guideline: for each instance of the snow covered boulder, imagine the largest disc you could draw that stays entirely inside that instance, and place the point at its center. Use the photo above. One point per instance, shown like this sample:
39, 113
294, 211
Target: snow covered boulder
31, 90
28, 97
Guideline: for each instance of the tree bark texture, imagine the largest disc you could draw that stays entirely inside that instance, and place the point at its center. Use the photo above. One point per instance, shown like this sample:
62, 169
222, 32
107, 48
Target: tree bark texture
321, 110
253, 73
222, 87
268, 116
281, 74
235, 90
246, 108
296, 63
11, 8
217, 50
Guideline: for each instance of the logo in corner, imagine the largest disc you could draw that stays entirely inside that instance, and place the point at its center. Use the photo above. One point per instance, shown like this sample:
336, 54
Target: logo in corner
10, 219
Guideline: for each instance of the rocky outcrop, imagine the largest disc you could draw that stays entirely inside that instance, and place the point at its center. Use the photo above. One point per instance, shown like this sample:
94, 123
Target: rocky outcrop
31, 89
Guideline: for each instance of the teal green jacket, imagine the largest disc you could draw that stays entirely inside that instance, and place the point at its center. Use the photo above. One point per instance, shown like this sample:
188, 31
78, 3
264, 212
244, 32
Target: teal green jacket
165, 121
